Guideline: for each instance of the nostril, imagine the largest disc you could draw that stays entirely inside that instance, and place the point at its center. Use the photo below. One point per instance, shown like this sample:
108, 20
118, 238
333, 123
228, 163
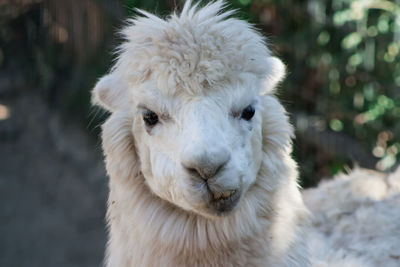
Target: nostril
192, 171
218, 169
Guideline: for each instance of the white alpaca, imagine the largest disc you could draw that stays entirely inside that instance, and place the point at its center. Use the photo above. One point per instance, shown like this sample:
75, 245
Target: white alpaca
198, 152
198, 148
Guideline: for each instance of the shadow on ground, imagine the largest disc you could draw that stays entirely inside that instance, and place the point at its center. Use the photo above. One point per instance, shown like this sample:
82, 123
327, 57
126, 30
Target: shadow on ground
52, 189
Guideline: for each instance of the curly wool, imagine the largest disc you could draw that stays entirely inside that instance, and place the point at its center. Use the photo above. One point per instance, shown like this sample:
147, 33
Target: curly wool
192, 51
356, 220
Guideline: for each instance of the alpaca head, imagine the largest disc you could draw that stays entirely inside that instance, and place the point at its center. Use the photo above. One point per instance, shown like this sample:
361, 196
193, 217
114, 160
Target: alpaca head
192, 86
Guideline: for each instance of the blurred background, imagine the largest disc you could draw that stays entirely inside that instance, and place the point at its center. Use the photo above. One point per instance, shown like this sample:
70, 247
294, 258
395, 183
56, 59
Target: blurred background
342, 91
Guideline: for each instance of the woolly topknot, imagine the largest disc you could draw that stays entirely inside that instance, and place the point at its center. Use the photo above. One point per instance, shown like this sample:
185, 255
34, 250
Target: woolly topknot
193, 50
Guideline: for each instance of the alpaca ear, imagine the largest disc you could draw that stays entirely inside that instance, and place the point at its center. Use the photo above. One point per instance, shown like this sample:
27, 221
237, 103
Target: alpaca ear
276, 73
111, 93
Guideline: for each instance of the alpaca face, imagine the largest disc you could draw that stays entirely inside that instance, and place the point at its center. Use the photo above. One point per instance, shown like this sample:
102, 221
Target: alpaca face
200, 152
192, 84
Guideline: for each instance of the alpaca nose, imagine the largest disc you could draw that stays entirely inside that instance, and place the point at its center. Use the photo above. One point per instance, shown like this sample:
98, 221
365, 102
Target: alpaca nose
207, 166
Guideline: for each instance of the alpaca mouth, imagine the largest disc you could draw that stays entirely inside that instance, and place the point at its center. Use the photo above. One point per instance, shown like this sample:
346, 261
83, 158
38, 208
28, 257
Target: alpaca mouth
225, 202
217, 196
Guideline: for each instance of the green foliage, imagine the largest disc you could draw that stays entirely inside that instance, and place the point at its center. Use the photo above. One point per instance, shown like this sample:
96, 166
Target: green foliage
368, 71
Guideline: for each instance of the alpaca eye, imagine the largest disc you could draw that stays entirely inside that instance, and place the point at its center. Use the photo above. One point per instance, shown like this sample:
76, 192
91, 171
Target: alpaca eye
150, 118
248, 113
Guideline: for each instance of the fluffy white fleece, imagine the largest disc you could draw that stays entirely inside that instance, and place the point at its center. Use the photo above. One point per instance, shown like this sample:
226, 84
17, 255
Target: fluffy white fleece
198, 72
356, 220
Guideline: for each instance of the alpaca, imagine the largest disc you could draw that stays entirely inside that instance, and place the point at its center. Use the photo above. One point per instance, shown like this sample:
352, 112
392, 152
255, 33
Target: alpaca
197, 147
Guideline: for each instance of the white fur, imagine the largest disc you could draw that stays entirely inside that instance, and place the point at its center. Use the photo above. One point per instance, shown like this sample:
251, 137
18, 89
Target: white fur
198, 71
356, 220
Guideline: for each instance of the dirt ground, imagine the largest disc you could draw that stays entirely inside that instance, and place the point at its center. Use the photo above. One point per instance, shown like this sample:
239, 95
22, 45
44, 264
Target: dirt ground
53, 189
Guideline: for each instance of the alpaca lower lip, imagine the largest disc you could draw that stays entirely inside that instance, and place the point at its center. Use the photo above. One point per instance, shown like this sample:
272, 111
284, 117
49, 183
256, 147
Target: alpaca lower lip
225, 203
